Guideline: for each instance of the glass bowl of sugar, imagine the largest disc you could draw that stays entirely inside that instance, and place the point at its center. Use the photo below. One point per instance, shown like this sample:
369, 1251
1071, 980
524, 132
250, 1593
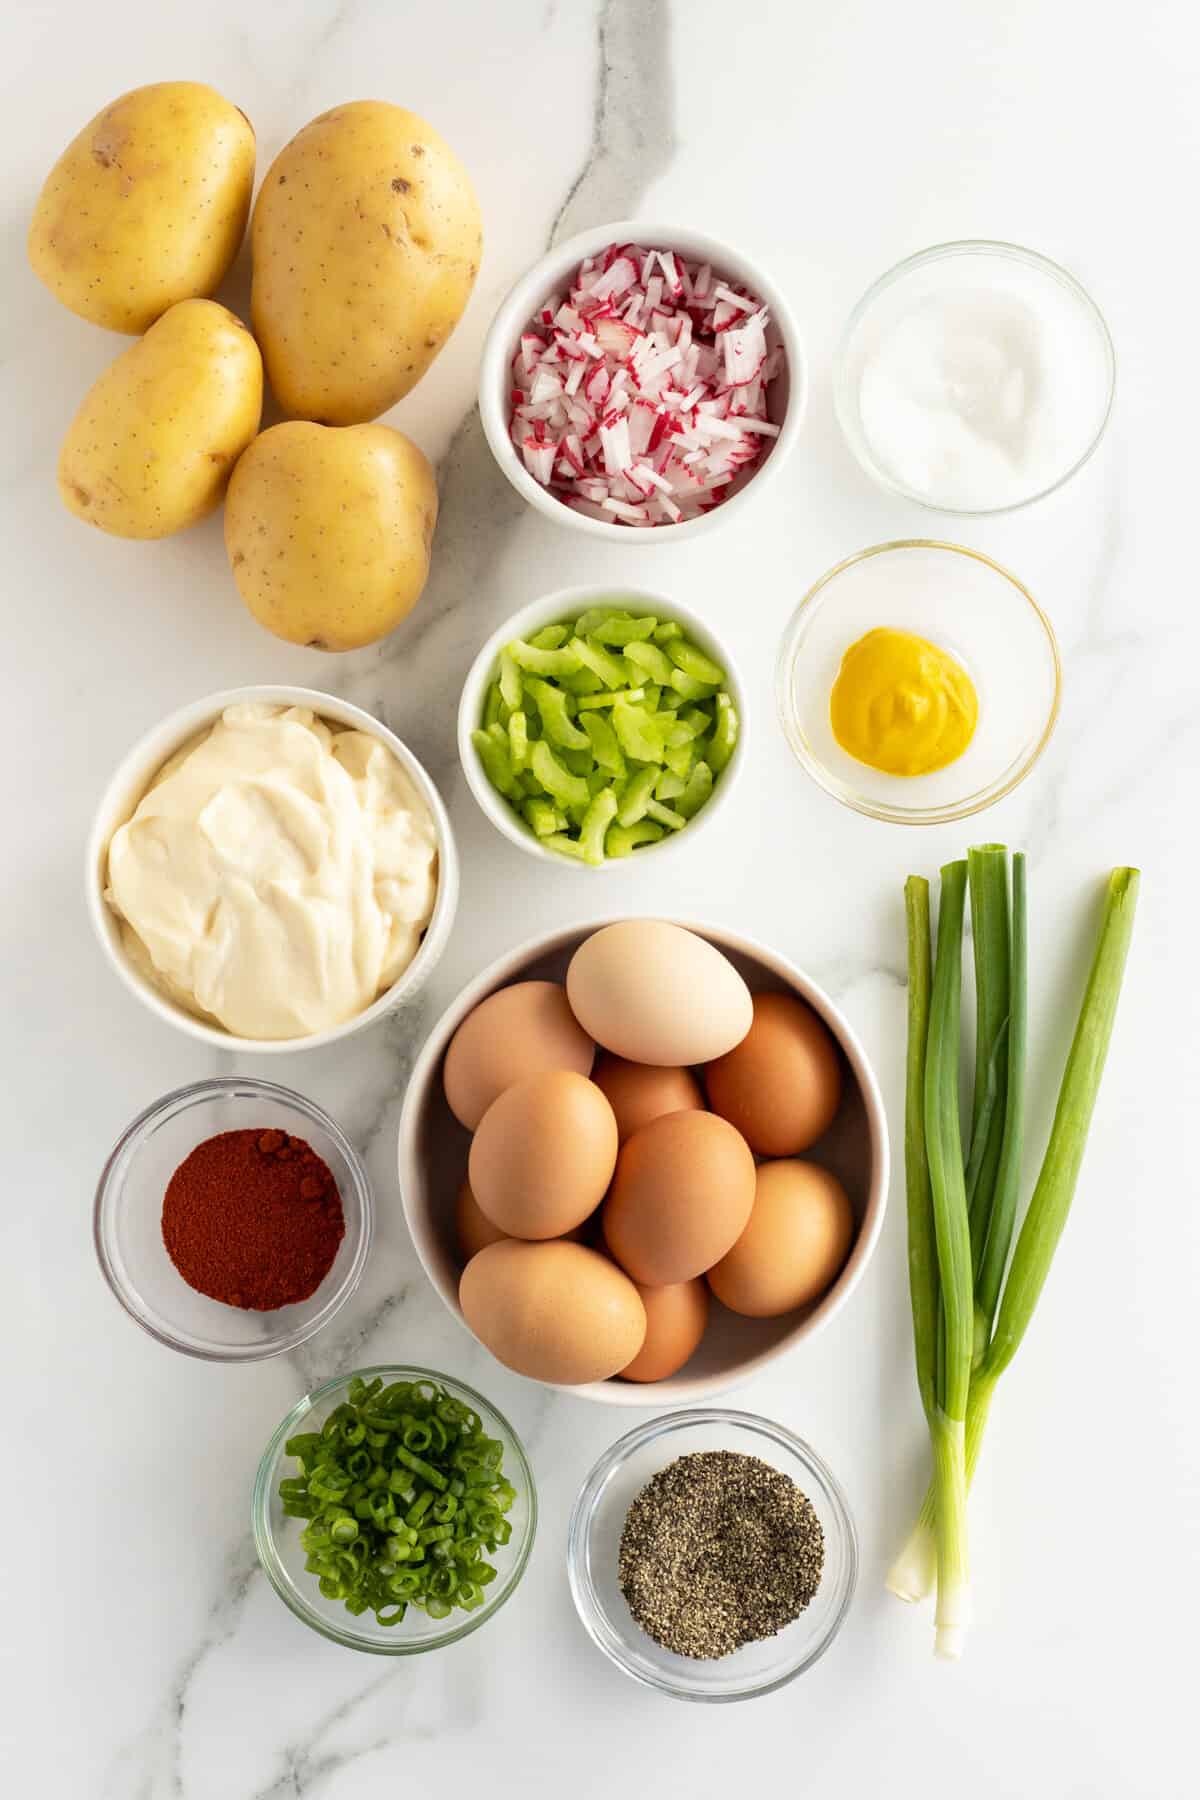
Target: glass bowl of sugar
974, 378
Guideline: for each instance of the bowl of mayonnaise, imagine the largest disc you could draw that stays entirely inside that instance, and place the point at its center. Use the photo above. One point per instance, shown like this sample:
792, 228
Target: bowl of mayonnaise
271, 869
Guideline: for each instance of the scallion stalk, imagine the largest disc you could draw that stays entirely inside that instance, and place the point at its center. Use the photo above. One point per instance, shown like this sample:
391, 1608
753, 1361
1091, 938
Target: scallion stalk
952, 1233
910, 1576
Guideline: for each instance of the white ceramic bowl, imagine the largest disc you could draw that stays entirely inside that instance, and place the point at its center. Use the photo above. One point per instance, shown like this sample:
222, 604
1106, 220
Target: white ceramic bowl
433, 1160
787, 394
549, 610
134, 774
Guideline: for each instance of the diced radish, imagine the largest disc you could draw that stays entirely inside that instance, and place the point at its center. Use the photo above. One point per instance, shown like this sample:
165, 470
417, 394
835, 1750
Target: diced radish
641, 394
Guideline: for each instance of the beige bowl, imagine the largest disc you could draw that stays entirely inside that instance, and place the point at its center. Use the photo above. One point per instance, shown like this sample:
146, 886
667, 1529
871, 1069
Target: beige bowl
433, 1160
134, 774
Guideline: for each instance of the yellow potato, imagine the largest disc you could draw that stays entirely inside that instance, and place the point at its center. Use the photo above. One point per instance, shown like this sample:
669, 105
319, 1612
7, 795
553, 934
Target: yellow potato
366, 243
151, 447
147, 206
328, 531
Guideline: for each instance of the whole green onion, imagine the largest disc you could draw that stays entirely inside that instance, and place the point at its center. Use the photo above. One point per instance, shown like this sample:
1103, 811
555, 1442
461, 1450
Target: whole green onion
952, 1236
1045, 1219
412, 1444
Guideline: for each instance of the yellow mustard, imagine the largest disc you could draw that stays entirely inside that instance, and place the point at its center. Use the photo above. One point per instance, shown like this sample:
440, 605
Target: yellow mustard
901, 704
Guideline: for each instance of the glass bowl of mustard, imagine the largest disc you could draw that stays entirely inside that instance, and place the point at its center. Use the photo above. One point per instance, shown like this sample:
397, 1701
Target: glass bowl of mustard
918, 682
293, 1136
666, 1466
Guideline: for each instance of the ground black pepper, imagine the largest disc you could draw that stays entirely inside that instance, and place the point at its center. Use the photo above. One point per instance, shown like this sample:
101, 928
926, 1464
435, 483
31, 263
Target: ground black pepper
719, 1550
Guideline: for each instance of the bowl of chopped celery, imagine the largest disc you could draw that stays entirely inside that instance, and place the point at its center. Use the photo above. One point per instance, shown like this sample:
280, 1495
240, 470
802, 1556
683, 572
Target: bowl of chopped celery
599, 724
394, 1510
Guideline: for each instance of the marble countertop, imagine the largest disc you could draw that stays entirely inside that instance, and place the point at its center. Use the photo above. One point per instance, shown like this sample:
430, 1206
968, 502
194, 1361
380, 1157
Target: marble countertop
145, 1657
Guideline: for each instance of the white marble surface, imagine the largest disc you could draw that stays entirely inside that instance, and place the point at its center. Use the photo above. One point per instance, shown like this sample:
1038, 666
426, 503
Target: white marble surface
144, 1656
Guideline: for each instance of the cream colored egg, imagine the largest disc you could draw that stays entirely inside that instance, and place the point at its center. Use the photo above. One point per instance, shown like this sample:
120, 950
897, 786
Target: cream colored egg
556, 1312
515, 1032
544, 1154
798, 1236
652, 992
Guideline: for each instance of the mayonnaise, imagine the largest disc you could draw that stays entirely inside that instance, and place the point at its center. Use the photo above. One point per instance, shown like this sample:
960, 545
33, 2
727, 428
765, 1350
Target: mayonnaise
278, 873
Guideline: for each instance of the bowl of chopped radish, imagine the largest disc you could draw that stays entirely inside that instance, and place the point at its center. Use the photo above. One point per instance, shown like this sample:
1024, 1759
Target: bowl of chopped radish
600, 723
641, 376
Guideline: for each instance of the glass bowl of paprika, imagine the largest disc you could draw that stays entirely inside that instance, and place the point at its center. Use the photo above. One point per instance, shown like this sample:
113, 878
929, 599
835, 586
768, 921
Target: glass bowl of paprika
233, 1219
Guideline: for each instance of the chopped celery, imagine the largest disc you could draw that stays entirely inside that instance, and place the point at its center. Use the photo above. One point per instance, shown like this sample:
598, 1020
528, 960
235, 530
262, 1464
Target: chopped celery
639, 791
689, 687
518, 740
620, 629
544, 662
497, 764
596, 821
605, 747
510, 681
699, 787
494, 708
542, 818
665, 815
636, 732
552, 704
612, 670
557, 780
550, 637
607, 698
725, 734
693, 662
605, 732
565, 846
650, 658
623, 840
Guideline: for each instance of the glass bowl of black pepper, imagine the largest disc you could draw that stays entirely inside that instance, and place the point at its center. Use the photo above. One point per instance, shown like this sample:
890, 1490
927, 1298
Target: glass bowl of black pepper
712, 1555
233, 1219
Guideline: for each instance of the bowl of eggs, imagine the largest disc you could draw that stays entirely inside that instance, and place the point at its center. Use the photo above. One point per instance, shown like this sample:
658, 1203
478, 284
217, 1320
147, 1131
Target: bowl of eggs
643, 1151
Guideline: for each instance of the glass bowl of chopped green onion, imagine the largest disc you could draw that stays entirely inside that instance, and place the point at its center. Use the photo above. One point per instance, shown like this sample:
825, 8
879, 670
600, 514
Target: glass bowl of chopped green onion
394, 1510
714, 1562
599, 724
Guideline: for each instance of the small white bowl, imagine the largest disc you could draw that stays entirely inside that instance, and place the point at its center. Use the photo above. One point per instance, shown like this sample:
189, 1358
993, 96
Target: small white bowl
786, 397
127, 786
551, 609
433, 1159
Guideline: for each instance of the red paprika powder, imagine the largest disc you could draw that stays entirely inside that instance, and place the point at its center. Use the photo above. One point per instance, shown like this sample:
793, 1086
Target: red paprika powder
253, 1219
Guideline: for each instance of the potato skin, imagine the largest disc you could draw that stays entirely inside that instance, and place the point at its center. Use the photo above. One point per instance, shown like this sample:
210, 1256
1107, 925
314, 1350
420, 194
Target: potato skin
151, 448
147, 206
366, 242
328, 530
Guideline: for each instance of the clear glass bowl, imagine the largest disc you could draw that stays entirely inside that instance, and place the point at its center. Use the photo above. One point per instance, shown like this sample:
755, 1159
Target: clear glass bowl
960, 600
277, 1537
1076, 339
128, 1219
595, 1534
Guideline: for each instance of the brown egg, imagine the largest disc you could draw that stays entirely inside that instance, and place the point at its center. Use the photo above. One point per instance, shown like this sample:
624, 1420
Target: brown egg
782, 1084
680, 1198
798, 1237
473, 1229
557, 1312
543, 1154
675, 1321
639, 1092
515, 1032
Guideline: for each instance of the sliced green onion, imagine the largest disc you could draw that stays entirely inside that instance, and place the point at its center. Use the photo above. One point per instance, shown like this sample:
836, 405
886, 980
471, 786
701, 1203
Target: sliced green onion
415, 1441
